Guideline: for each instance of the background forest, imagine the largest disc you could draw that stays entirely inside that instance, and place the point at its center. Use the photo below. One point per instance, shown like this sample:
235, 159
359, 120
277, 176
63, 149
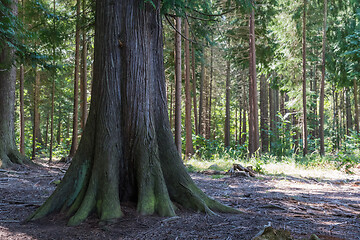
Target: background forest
239, 78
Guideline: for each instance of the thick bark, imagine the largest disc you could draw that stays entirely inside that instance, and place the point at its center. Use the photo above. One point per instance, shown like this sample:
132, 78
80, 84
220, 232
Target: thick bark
253, 104
9, 152
178, 85
264, 114
304, 132
127, 151
227, 106
74, 143
188, 127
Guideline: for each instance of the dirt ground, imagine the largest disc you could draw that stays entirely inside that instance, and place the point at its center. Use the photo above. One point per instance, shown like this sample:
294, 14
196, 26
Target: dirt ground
328, 208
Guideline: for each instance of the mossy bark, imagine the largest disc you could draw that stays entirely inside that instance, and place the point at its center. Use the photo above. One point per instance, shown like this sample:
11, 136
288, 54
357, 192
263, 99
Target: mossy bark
127, 151
9, 154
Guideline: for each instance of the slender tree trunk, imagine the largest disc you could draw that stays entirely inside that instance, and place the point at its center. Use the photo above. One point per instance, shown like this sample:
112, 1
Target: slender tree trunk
227, 112
264, 115
193, 64
305, 132
348, 112
22, 118
172, 105
83, 75
356, 107
188, 127
127, 152
244, 132
208, 129
236, 125
240, 124
206, 106
178, 85
21, 90
36, 125
202, 79
253, 104
52, 120
52, 94
58, 134
74, 143
46, 131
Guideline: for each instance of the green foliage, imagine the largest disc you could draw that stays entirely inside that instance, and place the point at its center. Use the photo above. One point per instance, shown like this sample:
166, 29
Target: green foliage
212, 149
282, 143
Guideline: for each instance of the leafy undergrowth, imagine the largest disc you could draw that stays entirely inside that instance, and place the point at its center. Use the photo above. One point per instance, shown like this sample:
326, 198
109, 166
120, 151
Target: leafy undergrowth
331, 167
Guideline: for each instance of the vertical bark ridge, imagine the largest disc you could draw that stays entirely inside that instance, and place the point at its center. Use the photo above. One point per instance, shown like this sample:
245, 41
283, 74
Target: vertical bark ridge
127, 153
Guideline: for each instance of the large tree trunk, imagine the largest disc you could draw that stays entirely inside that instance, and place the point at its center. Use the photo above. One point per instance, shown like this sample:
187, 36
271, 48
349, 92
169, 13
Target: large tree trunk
178, 79
9, 153
74, 143
264, 114
227, 106
189, 144
127, 151
253, 104
304, 132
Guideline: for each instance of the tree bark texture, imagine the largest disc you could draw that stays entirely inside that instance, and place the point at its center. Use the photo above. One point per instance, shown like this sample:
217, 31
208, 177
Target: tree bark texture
264, 114
253, 104
178, 78
188, 127
304, 132
227, 111
74, 143
83, 75
127, 152
9, 152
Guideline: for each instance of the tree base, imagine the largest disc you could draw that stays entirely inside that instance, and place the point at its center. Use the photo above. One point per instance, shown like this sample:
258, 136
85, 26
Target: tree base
9, 158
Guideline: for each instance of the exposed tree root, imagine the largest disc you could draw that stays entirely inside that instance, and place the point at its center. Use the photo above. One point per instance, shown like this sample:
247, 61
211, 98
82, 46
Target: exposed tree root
10, 157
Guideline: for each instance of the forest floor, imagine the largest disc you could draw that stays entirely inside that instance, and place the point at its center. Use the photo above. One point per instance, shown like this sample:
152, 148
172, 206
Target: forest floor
329, 208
